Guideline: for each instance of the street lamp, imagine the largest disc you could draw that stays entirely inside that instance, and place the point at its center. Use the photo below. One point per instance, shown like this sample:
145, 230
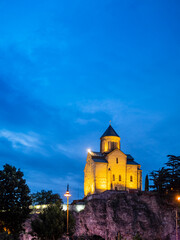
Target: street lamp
67, 194
178, 200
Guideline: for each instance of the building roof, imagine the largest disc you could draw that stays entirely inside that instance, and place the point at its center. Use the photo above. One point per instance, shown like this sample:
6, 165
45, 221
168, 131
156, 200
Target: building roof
132, 163
100, 157
130, 160
110, 132
97, 154
129, 157
101, 160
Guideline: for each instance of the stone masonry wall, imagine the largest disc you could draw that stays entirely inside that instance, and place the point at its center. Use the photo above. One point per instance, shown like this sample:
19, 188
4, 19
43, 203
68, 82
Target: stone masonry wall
112, 212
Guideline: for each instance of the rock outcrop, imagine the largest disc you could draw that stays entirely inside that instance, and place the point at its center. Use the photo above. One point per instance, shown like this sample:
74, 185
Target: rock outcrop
127, 214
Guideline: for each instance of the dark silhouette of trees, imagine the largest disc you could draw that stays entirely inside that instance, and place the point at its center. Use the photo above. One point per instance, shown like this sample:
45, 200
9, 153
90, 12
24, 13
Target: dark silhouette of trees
14, 200
51, 224
6, 236
173, 167
147, 183
137, 237
160, 180
45, 197
167, 180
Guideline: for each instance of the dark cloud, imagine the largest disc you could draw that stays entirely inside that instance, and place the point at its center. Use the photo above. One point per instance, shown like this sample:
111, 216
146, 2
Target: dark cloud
64, 75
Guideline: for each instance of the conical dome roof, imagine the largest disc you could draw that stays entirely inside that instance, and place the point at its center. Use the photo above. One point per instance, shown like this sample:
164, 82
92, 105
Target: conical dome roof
110, 132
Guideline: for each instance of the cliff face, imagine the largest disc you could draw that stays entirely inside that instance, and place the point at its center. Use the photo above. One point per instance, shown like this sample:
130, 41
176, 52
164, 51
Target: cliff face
112, 212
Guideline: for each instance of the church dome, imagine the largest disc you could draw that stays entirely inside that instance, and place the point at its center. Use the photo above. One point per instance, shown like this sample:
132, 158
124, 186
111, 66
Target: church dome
110, 132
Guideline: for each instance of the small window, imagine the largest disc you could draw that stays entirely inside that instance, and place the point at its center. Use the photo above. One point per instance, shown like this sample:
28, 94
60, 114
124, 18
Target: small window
109, 145
116, 188
131, 178
116, 160
119, 177
113, 177
113, 145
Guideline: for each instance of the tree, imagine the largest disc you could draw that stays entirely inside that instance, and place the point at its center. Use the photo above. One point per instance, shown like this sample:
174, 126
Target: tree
160, 180
147, 183
14, 201
6, 236
173, 165
51, 224
45, 197
137, 237
71, 223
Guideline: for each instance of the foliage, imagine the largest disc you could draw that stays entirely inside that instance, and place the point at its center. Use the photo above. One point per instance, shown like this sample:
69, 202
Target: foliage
94, 237
167, 179
71, 223
119, 236
45, 197
6, 236
160, 180
51, 224
146, 183
14, 200
137, 237
173, 165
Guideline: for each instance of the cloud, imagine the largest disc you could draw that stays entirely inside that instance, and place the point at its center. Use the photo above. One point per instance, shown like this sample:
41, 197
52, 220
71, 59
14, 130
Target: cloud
56, 183
18, 140
121, 113
72, 149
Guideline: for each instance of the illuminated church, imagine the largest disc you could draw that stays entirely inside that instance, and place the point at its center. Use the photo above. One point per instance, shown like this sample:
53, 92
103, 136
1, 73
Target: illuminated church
111, 169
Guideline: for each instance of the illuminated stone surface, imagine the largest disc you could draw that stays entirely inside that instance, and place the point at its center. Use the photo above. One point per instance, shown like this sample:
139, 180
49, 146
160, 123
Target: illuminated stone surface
111, 169
112, 212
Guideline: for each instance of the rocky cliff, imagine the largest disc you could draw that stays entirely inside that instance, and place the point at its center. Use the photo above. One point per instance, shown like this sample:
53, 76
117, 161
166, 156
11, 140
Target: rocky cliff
127, 214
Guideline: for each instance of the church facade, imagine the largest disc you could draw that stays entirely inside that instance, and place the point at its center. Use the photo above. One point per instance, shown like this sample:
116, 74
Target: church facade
111, 169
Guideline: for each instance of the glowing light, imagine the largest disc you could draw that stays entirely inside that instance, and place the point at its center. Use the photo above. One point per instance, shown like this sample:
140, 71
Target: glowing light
80, 208
89, 150
67, 194
178, 198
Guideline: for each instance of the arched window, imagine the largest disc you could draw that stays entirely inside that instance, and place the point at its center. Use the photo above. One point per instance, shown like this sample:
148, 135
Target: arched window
112, 145
113, 177
131, 178
116, 160
119, 177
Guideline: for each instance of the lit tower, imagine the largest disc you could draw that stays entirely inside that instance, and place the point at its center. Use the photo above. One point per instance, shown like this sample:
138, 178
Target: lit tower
109, 140
67, 194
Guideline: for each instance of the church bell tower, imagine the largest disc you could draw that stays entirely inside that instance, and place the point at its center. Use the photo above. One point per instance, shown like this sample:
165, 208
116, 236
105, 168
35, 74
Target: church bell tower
109, 140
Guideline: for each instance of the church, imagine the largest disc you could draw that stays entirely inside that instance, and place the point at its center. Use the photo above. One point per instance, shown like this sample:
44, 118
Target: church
111, 169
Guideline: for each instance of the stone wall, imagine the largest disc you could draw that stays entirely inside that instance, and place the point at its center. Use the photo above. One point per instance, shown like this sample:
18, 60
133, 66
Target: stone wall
110, 213
89, 176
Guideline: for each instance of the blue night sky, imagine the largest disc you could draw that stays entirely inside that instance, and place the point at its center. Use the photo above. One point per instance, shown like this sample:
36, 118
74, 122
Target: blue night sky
68, 67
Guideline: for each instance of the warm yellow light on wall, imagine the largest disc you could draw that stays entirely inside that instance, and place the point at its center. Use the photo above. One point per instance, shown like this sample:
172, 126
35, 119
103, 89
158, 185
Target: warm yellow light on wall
102, 186
178, 198
7, 230
106, 146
